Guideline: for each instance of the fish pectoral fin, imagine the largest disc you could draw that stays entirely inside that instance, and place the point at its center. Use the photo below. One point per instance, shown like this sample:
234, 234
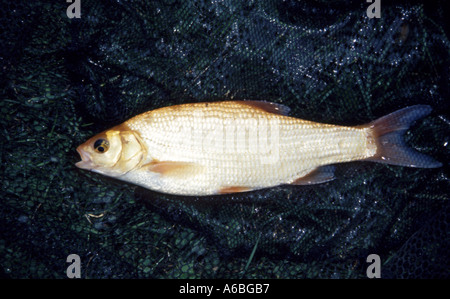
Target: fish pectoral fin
174, 168
319, 175
233, 189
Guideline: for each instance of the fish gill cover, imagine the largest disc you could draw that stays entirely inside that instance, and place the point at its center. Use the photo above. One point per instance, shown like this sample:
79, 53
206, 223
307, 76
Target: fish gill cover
64, 80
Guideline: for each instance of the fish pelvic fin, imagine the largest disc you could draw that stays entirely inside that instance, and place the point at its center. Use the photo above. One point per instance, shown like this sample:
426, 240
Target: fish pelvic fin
388, 132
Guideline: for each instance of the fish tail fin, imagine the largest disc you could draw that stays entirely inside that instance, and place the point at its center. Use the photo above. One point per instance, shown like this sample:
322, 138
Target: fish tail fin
388, 134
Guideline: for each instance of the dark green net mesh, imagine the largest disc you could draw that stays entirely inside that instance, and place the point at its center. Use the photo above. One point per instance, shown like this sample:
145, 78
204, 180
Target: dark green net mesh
63, 80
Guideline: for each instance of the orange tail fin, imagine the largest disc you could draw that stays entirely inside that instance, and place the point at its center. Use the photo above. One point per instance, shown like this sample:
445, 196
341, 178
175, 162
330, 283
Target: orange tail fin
391, 148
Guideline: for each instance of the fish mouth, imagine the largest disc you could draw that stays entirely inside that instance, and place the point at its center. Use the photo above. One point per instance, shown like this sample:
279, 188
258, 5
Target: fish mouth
86, 162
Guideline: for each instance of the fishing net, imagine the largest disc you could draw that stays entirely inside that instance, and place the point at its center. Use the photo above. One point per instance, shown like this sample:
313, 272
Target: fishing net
64, 80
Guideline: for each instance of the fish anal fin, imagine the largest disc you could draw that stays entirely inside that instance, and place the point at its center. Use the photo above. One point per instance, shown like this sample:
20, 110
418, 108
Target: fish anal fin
173, 168
269, 107
233, 189
319, 175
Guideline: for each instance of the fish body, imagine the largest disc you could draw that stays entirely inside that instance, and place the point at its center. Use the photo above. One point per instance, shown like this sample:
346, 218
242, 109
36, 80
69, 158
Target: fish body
236, 146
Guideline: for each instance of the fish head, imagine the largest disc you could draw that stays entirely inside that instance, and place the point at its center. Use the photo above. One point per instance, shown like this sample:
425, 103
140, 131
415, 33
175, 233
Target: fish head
113, 152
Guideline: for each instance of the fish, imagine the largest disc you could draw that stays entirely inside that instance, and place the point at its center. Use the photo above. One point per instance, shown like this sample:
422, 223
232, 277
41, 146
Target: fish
210, 148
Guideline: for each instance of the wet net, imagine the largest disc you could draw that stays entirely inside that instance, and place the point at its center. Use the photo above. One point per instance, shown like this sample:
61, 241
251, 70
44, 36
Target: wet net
64, 80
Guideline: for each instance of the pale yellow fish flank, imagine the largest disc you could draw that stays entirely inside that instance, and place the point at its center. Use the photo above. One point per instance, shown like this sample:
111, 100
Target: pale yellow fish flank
236, 146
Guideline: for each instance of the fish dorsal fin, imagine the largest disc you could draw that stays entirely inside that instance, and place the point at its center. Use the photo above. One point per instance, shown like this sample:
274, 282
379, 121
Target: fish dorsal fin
317, 176
269, 107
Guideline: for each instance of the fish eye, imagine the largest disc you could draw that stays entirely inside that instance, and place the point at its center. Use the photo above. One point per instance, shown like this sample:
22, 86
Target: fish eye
101, 145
